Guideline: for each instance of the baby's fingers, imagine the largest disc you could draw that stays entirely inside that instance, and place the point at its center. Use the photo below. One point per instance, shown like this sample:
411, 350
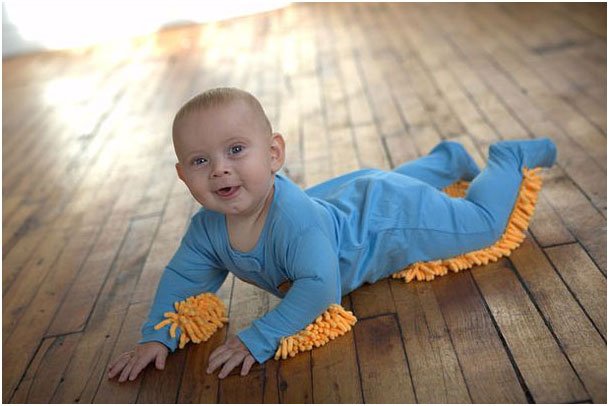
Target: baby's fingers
234, 361
160, 360
247, 364
217, 352
139, 364
220, 359
127, 370
118, 365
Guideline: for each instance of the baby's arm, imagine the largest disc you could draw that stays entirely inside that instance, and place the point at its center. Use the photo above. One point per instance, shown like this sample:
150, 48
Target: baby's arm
191, 271
312, 265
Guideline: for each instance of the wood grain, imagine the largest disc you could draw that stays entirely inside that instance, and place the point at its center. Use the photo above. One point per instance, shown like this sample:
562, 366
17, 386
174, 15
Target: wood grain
377, 341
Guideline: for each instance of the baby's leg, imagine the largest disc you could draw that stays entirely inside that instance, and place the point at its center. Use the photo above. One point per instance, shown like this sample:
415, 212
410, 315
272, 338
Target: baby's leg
447, 163
447, 227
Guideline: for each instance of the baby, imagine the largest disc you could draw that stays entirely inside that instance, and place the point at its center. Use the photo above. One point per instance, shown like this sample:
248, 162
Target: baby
327, 240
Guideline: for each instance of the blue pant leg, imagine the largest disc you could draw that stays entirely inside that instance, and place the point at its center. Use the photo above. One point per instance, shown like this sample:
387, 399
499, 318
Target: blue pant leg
496, 188
447, 163
447, 226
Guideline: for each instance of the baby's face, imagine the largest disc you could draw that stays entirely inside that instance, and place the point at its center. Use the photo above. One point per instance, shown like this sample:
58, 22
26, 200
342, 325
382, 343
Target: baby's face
227, 158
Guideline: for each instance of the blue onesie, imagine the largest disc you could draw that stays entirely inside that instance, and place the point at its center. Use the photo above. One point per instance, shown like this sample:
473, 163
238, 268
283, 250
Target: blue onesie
361, 227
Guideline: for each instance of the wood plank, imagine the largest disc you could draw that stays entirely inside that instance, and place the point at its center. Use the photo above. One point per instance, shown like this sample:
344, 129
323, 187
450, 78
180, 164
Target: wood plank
84, 201
174, 222
197, 386
540, 91
547, 226
343, 151
580, 340
434, 367
371, 300
46, 370
271, 386
370, 148
572, 159
584, 280
87, 367
82, 142
372, 60
335, 110
475, 338
80, 298
314, 136
232, 388
294, 379
578, 214
162, 386
110, 391
544, 368
335, 373
26, 287
83, 291
379, 346
590, 16
447, 84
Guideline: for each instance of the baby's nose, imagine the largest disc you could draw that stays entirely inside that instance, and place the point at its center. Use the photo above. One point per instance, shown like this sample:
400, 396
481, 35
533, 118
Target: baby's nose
217, 174
219, 168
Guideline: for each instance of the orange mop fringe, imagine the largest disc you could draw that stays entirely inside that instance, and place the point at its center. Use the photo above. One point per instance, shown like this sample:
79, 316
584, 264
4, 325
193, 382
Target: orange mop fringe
332, 323
199, 317
511, 239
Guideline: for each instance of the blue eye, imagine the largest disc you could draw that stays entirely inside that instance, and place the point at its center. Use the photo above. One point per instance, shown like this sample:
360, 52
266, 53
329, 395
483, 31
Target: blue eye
199, 161
236, 149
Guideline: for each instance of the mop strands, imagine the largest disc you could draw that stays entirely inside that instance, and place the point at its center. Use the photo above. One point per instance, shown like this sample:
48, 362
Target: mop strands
511, 239
332, 323
198, 317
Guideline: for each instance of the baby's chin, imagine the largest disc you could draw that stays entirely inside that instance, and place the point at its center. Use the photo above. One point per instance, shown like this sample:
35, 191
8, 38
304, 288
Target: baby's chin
231, 209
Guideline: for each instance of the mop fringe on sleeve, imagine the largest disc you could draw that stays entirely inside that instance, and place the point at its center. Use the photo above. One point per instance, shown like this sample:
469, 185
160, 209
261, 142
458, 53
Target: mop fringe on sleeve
333, 323
197, 317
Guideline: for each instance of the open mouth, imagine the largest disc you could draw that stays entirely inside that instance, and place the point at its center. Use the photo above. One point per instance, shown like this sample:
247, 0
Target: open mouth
227, 191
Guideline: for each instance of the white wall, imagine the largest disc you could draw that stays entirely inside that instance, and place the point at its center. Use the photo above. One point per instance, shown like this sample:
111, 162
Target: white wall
35, 25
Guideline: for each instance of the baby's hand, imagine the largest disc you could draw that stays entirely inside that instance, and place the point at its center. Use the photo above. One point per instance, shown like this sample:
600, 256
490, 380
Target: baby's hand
133, 362
230, 354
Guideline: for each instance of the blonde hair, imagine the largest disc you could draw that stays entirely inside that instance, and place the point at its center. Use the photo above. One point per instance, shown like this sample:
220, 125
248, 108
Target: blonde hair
217, 97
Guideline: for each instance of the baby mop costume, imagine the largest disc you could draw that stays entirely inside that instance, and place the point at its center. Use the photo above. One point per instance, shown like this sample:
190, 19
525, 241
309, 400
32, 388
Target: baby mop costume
361, 227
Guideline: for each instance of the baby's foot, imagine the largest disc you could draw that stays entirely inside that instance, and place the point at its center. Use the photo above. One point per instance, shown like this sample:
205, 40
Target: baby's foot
540, 152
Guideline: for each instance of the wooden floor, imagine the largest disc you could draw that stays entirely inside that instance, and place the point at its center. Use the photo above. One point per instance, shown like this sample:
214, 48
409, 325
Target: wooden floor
93, 210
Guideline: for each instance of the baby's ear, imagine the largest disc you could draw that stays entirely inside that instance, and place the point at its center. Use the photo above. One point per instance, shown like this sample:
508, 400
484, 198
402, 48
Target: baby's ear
277, 152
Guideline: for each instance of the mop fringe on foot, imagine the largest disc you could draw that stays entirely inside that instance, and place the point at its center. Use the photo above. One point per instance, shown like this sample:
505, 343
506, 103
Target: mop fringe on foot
511, 239
199, 317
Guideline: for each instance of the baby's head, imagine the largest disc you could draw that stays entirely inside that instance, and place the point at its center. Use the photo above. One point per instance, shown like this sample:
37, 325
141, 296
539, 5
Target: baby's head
227, 152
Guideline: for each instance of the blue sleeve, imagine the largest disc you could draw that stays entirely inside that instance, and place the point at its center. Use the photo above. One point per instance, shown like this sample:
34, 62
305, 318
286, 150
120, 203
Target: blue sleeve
191, 271
312, 265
